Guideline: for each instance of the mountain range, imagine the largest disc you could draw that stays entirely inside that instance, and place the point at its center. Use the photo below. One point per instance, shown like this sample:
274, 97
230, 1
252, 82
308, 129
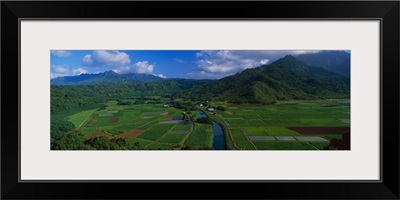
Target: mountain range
108, 77
284, 79
335, 61
310, 76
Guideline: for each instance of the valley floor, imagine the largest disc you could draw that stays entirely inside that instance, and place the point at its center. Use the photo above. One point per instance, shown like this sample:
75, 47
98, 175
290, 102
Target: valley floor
287, 125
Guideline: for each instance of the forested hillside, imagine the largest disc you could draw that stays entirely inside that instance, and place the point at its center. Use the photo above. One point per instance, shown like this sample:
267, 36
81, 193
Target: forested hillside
285, 79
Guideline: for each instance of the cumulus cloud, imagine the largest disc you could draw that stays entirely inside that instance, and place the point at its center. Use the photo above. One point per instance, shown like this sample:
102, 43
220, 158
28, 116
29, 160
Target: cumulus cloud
226, 62
118, 61
79, 71
58, 70
264, 61
63, 70
160, 75
61, 53
55, 75
141, 67
109, 58
215, 63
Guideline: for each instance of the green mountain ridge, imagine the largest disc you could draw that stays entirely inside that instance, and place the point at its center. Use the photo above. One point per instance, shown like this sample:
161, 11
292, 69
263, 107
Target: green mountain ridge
285, 79
108, 77
335, 61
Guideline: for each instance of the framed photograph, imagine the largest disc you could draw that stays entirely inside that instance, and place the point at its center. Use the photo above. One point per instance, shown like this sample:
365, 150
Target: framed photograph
290, 96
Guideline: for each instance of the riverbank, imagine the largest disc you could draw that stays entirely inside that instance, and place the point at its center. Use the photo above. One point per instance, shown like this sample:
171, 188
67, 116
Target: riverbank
229, 145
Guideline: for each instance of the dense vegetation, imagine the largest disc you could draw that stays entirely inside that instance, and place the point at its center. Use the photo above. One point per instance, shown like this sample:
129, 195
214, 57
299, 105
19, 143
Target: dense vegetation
59, 125
74, 140
285, 79
70, 99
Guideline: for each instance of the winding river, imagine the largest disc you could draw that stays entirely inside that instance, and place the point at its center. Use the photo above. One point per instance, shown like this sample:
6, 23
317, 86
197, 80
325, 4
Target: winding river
219, 139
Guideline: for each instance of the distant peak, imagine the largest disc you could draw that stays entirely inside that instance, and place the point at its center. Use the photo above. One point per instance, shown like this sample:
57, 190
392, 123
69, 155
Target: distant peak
290, 61
110, 72
289, 56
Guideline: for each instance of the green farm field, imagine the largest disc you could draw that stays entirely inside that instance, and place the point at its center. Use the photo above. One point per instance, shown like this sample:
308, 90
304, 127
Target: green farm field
198, 99
78, 118
147, 126
282, 126
286, 125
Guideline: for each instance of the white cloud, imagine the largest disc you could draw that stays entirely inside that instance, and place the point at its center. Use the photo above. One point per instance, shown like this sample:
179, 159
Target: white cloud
60, 71
79, 71
109, 58
142, 67
298, 52
87, 60
204, 75
55, 75
226, 62
264, 61
160, 75
117, 61
214, 63
61, 53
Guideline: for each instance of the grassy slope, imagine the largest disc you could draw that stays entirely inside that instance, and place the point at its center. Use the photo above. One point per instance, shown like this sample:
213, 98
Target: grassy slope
80, 117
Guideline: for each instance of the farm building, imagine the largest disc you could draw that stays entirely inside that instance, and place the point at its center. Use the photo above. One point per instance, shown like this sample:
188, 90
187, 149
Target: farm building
166, 106
210, 109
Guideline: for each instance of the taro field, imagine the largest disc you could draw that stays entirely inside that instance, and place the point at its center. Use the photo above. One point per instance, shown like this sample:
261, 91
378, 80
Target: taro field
151, 126
289, 125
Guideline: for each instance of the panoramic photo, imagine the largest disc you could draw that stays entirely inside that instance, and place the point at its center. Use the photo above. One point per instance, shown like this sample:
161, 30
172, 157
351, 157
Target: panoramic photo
200, 99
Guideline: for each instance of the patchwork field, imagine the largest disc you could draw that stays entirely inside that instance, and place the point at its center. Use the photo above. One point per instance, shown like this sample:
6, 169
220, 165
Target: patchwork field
148, 126
287, 125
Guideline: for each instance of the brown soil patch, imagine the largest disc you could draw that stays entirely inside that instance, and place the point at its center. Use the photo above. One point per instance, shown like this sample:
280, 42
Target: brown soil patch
343, 144
98, 135
167, 116
321, 130
113, 120
132, 133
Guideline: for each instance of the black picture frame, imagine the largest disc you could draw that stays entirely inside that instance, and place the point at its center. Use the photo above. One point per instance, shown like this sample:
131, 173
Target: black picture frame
386, 11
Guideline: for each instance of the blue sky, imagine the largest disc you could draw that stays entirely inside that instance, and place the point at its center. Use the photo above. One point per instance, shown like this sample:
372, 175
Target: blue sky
191, 64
